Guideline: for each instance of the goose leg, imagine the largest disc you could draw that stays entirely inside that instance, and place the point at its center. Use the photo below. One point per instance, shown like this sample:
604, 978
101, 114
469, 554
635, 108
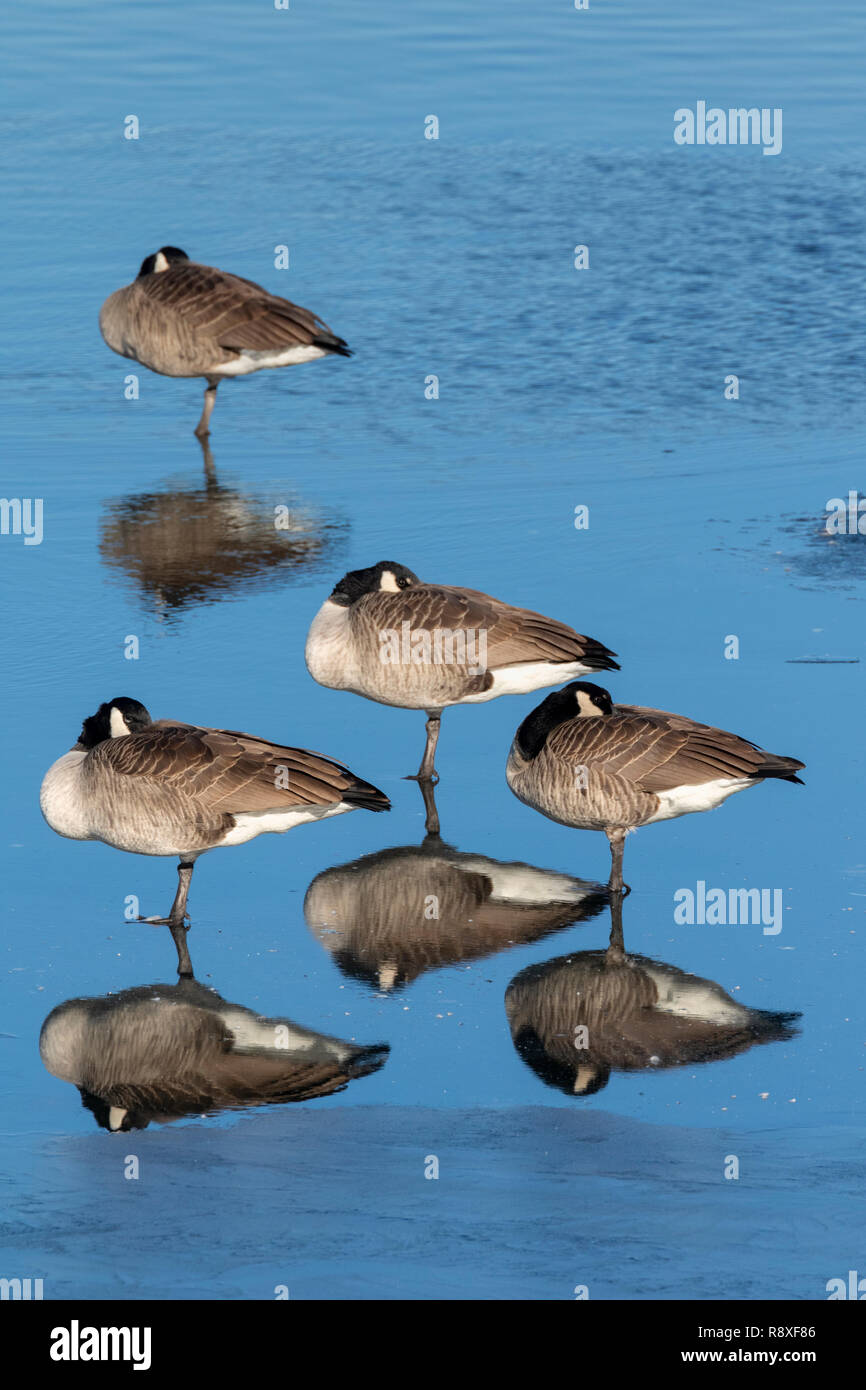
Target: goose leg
431, 823
616, 946
616, 840
177, 915
207, 459
178, 936
427, 772
202, 429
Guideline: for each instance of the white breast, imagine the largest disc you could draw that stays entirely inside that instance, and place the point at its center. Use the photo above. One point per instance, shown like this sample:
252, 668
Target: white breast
329, 651
63, 1043
514, 769
61, 799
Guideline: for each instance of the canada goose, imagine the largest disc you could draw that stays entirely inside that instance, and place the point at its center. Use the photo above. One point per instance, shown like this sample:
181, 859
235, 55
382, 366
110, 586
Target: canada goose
389, 917
164, 788
576, 1019
385, 634
583, 761
160, 1052
187, 546
180, 318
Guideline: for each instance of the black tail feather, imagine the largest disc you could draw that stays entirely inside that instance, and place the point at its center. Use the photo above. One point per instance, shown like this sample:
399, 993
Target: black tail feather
331, 343
366, 797
598, 657
368, 1059
783, 769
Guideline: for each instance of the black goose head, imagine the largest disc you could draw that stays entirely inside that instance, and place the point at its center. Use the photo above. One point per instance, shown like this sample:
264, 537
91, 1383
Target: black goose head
580, 699
113, 719
172, 254
577, 1079
113, 1118
386, 577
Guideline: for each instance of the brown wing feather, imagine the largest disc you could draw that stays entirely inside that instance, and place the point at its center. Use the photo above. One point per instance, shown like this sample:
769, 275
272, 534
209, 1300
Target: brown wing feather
514, 635
228, 1083
233, 772
234, 312
656, 751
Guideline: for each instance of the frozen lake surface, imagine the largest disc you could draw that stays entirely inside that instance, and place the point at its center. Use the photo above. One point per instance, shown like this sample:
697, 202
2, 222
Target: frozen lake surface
558, 389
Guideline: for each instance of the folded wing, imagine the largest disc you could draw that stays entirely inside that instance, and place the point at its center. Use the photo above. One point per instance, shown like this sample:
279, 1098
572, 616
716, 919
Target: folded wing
514, 636
236, 313
657, 752
232, 772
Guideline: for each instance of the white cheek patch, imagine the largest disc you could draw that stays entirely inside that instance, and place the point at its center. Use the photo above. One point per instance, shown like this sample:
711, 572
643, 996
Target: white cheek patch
387, 977
116, 1117
584, 1079
160, 263
118, 724
585, 704
388, 583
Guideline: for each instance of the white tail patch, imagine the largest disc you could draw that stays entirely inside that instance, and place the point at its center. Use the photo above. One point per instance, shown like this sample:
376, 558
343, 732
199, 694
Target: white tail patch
257, 1034
251, 361
532, 675
681, 801
520, 883
249, 824
685, 998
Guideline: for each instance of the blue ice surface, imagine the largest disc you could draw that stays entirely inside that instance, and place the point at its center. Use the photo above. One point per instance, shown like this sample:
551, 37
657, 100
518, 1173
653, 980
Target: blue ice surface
558, 388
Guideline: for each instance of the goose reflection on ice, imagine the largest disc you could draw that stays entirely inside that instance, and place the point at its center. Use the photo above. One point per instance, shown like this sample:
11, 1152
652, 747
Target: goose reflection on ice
163, 1052
201, 544
390, 916
576, 1019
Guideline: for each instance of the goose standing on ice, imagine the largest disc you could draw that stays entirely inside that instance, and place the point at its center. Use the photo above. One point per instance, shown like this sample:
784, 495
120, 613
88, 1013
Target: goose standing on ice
163, 788
385, 634
583, 761
180, 318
